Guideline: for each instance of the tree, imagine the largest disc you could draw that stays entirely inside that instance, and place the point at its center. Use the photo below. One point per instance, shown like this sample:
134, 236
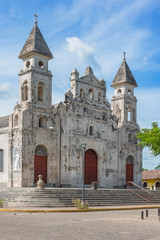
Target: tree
158, 166
150, 138
144, 169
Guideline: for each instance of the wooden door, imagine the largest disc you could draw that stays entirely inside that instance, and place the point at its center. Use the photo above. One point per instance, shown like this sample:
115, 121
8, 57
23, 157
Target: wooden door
129, 172
40, 167
90, 166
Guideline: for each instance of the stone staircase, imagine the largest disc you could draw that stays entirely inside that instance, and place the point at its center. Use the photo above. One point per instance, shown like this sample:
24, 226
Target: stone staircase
58, 197
62, 197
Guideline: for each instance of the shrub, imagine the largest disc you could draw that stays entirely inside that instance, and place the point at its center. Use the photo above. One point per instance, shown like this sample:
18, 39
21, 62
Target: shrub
1, 202
79, 204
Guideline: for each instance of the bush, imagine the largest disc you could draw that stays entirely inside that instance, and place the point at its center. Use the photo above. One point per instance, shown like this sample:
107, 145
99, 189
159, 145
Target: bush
79, 204
1, 202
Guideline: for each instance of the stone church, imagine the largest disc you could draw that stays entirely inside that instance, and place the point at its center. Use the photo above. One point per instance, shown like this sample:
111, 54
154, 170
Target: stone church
55, 140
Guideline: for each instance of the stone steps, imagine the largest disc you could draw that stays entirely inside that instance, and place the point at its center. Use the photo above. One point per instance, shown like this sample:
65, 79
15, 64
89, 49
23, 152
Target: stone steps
58, 197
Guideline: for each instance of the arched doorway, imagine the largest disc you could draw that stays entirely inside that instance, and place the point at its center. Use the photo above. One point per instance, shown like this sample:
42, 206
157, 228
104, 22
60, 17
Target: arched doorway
90, 166
129, 169
40, 163
157, 185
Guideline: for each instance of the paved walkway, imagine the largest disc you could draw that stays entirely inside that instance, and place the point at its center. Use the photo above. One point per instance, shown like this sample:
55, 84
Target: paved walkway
110, 225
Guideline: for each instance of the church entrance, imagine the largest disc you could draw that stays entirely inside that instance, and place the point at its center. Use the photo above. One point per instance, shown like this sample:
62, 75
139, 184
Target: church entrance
90, 166
40, 163
129, 169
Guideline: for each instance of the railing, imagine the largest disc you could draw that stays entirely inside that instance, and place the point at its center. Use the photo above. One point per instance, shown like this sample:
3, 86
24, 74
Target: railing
139, 191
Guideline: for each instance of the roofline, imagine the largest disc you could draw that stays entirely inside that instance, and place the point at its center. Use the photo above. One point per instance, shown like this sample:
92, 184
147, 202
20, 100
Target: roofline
33, 52
123, 83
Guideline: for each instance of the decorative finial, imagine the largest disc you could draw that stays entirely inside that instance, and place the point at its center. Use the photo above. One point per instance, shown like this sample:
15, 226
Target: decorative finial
35, 18
124, 55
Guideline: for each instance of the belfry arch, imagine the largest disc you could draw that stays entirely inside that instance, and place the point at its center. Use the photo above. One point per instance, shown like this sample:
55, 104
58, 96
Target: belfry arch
40, 163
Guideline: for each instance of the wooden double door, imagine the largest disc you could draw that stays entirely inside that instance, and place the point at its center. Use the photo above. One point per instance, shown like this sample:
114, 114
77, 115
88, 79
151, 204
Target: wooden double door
129, 172
40, 167
90, 166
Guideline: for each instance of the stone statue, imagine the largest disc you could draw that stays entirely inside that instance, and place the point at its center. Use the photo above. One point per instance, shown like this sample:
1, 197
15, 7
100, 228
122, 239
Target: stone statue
15, 159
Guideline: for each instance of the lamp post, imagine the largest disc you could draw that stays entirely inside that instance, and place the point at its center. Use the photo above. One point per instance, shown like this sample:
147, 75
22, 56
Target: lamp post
83, 170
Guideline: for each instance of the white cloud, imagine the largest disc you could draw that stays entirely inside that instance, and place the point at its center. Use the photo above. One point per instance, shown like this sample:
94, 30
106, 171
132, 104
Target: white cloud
84, 51
4, 87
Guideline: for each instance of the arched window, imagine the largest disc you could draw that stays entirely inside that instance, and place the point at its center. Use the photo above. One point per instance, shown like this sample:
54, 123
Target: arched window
145, 184
41, 91
42, 122
16, 120
119, 92
129, 114
130, 137
81, 93
129, 92
40, 150
1, 160
157, 185
99, 97
25, 91
90, 94
91, 131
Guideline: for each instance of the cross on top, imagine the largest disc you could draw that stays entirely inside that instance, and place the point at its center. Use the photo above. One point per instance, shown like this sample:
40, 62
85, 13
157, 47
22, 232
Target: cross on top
124, 55
35, 18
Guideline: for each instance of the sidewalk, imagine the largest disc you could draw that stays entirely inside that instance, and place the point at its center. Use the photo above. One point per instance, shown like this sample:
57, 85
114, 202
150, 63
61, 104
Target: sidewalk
73, 209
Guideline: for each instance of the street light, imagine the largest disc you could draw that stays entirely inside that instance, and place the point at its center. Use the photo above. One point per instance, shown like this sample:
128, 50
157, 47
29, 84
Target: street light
83, 170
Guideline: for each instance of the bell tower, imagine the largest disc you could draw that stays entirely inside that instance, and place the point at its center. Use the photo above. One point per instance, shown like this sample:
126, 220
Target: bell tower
35, 80
124, 103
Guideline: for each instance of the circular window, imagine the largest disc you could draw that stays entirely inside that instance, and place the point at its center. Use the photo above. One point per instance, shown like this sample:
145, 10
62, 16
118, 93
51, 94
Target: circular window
40, 64
27, 64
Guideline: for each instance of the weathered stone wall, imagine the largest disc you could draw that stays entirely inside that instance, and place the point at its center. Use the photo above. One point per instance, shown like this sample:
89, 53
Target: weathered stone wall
4, 146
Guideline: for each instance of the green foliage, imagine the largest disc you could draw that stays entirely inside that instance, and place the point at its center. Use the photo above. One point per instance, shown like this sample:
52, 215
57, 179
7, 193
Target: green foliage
158, 166
79, 204
150, 138
1, 202
144, 169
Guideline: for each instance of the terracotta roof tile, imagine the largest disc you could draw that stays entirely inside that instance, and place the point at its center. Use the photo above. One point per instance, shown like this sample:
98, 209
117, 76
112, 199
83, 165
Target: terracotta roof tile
151, 174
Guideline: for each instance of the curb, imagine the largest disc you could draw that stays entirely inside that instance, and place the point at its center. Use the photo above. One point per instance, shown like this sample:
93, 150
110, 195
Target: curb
77, 210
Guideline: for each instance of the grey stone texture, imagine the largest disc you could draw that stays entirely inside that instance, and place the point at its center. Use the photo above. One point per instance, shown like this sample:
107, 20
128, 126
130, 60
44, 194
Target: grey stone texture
84, 117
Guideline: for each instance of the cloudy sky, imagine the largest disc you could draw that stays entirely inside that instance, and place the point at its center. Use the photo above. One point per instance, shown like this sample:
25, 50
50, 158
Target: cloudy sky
81, 33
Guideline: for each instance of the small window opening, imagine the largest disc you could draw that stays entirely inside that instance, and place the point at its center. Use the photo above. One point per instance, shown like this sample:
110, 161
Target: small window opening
129, 114
40, 92
27, 64
16, 121
129, 92
41, 122
40, 64
25, 91
119, 92
91, 130
81, 93
91, 94
1, 160
130, 137
99, 97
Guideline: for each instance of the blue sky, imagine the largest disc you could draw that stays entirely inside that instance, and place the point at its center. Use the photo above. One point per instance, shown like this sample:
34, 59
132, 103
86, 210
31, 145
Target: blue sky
81, 33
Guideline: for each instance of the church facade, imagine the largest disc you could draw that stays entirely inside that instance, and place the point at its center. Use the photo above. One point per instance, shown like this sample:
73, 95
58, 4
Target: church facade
53, 140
